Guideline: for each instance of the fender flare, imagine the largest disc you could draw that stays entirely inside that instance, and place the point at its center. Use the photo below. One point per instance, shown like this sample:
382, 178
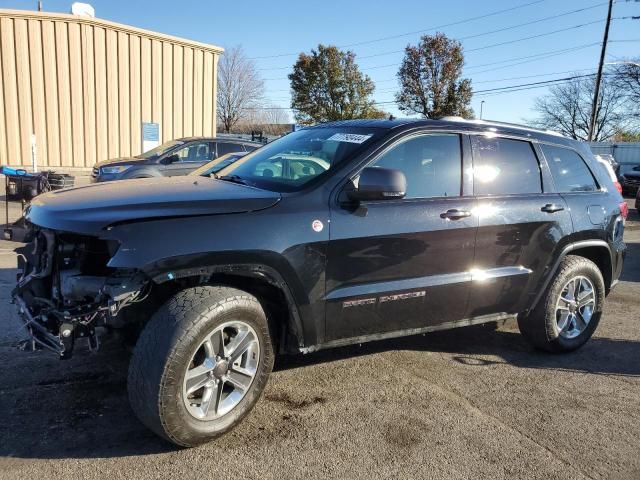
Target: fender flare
566, 251
257, 271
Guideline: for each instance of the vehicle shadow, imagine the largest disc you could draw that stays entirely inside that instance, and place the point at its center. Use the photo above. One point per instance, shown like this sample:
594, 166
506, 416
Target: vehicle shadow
600, 356
631, 269
81, 408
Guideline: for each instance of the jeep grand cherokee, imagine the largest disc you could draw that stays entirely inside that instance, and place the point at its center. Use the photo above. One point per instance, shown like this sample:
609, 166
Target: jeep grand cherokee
333, 235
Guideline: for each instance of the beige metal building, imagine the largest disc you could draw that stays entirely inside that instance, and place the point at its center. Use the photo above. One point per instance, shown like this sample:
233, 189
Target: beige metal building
77, 90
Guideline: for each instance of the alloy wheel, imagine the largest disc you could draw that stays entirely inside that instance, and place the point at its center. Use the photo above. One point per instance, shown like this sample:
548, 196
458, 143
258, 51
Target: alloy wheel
575, 307
221, 370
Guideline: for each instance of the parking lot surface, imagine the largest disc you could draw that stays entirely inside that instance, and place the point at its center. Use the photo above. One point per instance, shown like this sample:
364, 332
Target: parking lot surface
471, 403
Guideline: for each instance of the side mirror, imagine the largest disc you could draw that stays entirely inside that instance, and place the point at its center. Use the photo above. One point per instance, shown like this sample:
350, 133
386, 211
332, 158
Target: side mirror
379, 184
172, 159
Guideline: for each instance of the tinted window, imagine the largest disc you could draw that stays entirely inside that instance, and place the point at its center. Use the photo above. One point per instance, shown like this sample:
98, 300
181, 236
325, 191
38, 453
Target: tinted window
502, 166
195, 152
432, 165
569, 172
224, 148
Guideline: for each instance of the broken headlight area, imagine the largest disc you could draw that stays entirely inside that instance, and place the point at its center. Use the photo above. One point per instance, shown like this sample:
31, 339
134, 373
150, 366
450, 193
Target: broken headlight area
65, 289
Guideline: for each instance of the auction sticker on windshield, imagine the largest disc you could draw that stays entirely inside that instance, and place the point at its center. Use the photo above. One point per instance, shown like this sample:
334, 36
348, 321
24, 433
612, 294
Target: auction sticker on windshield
349, 137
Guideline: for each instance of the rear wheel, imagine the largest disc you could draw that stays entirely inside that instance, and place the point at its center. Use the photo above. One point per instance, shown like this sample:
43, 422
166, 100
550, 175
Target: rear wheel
571, 309
201, 364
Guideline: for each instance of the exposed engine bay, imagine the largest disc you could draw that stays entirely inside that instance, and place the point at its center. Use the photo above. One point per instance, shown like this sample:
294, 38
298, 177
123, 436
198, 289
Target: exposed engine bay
65, 288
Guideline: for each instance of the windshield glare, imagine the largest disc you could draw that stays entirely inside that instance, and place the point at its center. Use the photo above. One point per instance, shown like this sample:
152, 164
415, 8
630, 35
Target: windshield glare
291, 162
160, 149
216, 165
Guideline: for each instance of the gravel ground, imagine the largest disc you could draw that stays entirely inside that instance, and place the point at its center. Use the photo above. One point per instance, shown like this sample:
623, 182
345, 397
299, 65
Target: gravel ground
473, 403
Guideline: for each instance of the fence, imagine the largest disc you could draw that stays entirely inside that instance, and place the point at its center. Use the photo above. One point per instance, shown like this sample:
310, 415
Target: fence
622, 152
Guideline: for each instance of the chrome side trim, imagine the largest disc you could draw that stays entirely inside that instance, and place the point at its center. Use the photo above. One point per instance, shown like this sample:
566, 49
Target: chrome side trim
475, 275
408, 332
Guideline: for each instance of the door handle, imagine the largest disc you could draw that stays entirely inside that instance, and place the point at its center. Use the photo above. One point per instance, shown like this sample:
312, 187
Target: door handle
552, 208
455, 214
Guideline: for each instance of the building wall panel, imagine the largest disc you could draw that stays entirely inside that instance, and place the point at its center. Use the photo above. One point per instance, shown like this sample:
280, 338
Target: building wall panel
84, 86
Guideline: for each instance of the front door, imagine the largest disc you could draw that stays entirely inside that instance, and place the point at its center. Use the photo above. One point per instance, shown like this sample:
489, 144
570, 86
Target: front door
398, 265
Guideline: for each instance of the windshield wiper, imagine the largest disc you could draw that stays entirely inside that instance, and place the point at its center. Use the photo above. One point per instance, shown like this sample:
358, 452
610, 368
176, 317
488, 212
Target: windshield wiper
233, 179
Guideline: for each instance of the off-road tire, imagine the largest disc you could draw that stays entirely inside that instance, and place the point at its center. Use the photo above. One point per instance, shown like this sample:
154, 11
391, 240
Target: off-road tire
540, 328
164, 349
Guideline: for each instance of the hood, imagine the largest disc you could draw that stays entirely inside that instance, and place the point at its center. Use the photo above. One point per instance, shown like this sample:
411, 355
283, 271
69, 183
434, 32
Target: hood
91, 208
121, 161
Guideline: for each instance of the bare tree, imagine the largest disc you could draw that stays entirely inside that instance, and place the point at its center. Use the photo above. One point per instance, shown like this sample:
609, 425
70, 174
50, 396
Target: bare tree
269, 119
239, 87
567, 109
627, 79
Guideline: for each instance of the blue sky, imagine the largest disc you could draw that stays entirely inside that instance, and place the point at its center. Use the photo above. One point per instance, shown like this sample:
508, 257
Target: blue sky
283, 28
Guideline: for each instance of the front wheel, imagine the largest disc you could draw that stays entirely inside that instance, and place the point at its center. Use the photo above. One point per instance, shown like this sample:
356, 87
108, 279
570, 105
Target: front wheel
200, 364
570, 311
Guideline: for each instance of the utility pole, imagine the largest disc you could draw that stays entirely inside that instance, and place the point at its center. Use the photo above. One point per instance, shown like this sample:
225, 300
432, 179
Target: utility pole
481, 105
596, 93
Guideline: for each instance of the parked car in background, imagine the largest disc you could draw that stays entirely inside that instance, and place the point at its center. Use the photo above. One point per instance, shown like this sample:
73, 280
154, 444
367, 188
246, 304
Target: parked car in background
610, 170
629, 177
214, 166
173, 158
607, 157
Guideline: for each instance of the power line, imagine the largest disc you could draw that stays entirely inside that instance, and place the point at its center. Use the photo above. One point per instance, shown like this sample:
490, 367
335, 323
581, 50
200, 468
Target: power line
490, 32
509, 42
537, 56
459, 22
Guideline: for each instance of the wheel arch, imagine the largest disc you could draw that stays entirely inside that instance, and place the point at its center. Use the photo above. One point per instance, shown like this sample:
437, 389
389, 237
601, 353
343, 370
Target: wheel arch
262, 281
598, 251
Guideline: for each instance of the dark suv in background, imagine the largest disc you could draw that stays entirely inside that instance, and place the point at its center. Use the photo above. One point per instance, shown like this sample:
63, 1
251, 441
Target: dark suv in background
176, 157
332, 235
629, 175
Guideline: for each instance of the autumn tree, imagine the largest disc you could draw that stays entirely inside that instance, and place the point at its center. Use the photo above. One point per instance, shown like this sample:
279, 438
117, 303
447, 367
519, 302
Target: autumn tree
240, 87
327, 85
567, 109
430, 79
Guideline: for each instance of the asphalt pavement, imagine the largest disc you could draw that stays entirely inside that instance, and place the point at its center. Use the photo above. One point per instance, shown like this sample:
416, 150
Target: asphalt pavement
470, 403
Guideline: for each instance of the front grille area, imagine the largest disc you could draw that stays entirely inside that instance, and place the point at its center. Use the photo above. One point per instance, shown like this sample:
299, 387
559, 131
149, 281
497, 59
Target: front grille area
95, 172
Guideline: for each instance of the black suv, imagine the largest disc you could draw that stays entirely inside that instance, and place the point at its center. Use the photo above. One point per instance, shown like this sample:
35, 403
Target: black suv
333, 235
173, 158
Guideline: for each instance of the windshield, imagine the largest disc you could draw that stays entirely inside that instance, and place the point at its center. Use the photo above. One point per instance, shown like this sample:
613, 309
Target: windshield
629, 168
160, 149
218, 164
293, 161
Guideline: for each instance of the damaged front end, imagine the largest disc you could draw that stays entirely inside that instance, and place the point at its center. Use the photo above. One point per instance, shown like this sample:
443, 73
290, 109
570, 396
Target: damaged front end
65, 288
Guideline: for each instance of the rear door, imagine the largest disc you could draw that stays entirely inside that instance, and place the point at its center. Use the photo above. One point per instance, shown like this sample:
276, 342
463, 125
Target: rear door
520, 222
572, 178
397, 265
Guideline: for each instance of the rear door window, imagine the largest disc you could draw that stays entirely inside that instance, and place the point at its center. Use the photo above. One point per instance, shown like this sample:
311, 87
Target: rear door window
503, 166
569, 172
224, 148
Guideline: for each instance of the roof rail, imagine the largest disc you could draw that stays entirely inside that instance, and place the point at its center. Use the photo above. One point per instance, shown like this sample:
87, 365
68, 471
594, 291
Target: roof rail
504, 124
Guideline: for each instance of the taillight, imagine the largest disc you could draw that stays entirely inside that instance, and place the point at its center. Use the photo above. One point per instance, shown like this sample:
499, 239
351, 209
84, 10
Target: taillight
619, 188
624, 210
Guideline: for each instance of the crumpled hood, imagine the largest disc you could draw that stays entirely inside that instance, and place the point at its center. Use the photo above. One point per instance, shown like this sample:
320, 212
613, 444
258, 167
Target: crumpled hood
91, 208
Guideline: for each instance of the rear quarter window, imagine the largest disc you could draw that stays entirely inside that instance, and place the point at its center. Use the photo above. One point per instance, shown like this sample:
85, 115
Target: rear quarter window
569, 171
